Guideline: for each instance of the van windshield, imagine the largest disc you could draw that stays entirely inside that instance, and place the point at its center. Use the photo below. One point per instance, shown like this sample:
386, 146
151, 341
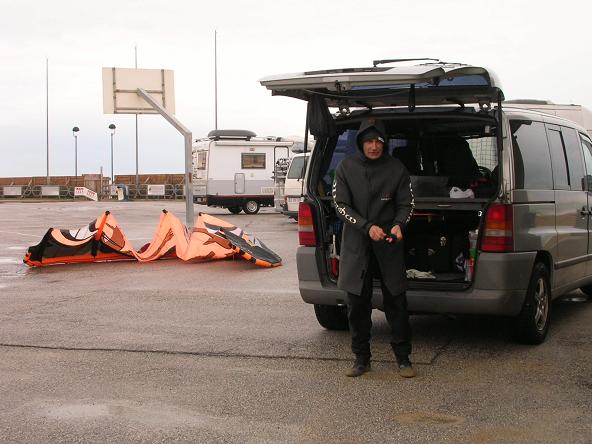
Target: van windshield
297, 167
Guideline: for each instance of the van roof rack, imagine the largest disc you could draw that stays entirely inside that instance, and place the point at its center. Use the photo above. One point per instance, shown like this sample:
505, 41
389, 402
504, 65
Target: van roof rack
231, 134
375, 63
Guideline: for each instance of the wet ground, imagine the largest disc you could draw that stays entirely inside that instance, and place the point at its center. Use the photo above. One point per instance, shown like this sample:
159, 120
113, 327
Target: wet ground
227, 352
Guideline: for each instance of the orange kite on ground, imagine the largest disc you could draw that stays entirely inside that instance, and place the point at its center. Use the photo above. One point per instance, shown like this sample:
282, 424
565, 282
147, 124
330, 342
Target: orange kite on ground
103, 240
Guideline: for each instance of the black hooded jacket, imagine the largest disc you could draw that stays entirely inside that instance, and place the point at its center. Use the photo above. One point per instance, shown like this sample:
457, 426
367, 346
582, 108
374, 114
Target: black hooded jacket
371, 192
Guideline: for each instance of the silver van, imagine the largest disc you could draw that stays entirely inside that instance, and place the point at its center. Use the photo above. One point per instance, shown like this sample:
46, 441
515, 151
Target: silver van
501, 222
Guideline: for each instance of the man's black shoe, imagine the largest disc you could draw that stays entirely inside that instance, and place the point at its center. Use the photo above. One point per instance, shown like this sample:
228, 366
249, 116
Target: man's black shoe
406, 370
359, 368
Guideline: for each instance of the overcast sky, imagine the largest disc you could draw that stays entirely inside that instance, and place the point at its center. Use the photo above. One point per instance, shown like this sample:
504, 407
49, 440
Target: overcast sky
539, 49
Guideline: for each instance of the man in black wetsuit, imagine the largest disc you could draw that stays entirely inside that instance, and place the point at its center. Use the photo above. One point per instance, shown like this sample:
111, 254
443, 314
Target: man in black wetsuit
373, 196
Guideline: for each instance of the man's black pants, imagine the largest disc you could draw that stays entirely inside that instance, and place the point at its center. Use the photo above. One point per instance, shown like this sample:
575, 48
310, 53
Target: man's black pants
359, 314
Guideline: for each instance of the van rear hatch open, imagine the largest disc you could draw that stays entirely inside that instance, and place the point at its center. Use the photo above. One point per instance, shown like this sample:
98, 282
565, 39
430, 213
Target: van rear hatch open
456, 103
426, 84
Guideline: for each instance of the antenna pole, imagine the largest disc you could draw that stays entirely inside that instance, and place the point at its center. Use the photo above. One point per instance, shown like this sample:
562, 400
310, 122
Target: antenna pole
47, 115
215, 79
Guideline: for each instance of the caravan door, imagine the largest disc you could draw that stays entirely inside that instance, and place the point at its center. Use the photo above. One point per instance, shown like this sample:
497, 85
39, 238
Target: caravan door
239, 183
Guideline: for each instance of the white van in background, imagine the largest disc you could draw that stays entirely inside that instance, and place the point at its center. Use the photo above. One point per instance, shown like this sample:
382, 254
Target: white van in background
294, 186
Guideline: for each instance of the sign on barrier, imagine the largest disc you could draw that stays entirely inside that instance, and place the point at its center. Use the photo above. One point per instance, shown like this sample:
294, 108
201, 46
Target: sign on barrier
50, 190
12, 190
85, 192
155, 190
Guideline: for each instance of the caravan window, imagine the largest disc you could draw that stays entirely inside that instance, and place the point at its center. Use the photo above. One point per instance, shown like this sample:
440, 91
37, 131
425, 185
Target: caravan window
201, 160
253, 161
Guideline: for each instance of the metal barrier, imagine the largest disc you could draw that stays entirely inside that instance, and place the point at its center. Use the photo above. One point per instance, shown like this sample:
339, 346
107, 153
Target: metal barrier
12, 191
59, 192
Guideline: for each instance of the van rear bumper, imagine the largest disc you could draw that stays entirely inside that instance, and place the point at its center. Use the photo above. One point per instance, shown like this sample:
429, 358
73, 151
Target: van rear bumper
500, 284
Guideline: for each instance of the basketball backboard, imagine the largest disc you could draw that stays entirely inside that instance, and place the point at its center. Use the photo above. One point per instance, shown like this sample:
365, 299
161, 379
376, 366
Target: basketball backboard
120, 90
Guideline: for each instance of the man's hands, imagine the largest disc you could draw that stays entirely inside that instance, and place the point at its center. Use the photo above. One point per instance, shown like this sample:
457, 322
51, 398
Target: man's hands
377, 234
396, 232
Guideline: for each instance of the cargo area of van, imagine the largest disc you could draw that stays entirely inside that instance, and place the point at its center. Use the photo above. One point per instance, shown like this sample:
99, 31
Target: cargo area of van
453, 162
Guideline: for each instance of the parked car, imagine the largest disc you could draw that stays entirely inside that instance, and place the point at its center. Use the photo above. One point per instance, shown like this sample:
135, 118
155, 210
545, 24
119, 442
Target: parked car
294, 186
501, 223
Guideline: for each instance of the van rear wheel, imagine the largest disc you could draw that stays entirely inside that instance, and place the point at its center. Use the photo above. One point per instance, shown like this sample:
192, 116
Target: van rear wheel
251, 207
332, 317
234, 210
587, 290
532, 324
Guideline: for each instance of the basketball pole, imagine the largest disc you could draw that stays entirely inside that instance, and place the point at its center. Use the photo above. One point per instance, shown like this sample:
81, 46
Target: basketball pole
189, 215
137, 169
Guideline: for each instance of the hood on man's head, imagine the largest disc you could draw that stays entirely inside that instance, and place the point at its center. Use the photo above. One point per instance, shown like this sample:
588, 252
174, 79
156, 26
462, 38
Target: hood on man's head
371, 128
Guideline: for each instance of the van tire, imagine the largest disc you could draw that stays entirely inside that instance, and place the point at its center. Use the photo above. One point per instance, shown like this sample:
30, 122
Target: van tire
532, 324
332, 317
235, 210
587, 290
251, 206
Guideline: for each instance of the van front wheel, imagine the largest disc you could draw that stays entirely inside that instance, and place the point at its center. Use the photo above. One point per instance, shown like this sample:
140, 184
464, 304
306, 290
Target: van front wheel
532, 324
332, 317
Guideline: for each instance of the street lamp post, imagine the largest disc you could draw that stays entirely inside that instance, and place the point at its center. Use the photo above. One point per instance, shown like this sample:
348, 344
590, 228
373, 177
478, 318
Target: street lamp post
112, 128
75, 134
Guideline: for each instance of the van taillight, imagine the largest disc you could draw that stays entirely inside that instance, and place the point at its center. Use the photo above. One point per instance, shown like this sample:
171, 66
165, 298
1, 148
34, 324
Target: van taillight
498, 235
306, 233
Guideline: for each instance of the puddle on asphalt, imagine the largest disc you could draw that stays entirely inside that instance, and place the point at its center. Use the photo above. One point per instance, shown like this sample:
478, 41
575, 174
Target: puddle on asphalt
156, 416
12, 268
10, 260
428, 418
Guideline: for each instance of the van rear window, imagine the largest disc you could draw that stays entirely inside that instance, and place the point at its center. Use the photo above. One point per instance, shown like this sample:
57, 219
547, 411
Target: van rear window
532, 163
297, 167
434, 152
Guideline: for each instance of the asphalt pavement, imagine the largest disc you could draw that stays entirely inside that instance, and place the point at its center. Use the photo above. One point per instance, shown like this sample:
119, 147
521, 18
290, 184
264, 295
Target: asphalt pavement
226, 351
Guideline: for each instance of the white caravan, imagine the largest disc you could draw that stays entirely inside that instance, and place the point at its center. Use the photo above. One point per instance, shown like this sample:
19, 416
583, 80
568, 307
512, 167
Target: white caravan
576, 113
234, 169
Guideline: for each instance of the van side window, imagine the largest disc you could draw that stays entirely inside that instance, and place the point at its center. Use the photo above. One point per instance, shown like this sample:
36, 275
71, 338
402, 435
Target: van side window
574, 158
587, 148
558, 159
532, 163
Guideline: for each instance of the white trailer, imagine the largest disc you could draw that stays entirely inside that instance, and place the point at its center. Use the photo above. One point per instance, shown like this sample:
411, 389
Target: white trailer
576, 113
235, 169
